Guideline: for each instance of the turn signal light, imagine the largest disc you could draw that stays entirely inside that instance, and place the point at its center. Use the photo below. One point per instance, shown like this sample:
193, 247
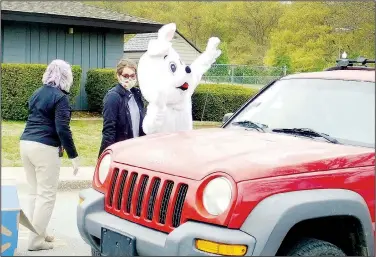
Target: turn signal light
220, 249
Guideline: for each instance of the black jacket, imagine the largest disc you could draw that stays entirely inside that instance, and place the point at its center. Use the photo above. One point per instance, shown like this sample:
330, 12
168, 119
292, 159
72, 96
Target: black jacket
49, 118
117, 124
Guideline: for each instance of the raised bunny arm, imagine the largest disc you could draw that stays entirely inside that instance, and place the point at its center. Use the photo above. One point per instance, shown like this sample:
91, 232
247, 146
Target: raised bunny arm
204, 61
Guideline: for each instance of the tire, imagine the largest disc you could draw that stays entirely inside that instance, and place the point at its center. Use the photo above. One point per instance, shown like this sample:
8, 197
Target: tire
314, 247
95, 252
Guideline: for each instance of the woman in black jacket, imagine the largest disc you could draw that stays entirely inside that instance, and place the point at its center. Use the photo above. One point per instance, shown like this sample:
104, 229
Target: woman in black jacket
123, 108
47, 132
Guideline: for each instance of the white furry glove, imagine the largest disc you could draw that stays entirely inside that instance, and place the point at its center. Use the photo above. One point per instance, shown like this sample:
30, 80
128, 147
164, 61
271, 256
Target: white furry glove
212, 52
161, 100
204, 61
75, 164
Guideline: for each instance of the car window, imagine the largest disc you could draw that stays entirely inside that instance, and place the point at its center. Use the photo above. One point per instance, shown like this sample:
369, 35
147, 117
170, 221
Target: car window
342, 109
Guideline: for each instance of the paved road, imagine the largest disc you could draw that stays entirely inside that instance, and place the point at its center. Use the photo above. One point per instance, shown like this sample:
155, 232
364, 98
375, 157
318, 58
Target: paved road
63, 226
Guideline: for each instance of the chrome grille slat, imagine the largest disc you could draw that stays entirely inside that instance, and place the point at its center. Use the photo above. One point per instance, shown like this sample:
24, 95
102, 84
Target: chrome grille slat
153, 195
164, 203
130, 193
141, 194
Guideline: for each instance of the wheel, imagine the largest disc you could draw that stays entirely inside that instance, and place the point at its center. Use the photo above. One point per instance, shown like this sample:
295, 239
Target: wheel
314, 247
95, 252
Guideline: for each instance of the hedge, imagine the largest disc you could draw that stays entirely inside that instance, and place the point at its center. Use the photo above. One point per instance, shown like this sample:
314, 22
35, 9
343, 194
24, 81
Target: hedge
98, 82
221, 98
18, 83
246, 71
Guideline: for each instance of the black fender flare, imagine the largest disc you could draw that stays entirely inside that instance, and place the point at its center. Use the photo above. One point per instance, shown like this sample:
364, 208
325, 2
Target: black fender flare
271, 219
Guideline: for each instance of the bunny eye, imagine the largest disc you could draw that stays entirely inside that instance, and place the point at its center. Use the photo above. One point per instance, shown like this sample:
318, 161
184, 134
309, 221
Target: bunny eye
173, 67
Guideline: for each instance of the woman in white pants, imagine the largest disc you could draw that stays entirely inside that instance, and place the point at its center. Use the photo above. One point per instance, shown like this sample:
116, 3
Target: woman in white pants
47, 132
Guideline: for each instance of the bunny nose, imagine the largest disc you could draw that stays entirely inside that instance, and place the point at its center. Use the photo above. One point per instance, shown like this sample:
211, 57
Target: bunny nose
187, 69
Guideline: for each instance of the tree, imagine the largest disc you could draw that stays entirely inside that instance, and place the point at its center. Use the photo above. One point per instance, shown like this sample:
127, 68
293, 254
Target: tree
223, 58
304, 37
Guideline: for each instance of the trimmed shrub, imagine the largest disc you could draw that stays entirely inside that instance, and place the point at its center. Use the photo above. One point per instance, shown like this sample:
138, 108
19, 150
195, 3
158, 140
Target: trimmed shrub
98, 82
221, 98
18, 83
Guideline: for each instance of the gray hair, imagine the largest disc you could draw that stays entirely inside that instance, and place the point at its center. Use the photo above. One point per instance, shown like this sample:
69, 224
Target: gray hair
58, 74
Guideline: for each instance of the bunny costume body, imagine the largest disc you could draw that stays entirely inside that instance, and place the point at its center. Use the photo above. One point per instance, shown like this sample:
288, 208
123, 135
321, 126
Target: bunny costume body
168, 84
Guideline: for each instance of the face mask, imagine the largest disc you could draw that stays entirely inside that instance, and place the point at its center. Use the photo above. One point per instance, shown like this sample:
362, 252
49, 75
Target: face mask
131, 83
127, 83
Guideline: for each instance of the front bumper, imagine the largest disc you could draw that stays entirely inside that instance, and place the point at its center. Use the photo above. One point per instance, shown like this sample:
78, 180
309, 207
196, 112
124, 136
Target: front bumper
91, 217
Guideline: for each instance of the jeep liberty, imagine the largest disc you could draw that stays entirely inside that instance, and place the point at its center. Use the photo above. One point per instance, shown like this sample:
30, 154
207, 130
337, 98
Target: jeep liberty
292, 172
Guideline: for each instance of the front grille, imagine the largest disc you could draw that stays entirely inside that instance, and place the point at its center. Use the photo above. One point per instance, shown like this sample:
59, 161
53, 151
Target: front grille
150, 198
130, 192
179, 205
141, 195
112, 189
164, 203
121, 190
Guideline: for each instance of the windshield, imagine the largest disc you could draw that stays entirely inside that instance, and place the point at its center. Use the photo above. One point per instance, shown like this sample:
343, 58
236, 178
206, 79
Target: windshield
345, 110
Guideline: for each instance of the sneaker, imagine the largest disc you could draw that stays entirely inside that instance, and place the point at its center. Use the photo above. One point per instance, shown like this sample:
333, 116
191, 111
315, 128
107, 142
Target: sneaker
49, 238
42, 246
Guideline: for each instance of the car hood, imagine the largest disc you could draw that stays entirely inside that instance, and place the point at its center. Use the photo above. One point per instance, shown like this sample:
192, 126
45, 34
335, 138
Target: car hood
242, 154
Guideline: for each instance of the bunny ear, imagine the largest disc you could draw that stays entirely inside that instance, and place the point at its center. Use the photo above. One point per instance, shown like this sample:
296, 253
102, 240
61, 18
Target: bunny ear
158, 47
167, 32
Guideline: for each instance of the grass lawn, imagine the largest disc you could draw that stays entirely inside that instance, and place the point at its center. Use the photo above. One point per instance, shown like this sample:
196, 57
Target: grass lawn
86, 133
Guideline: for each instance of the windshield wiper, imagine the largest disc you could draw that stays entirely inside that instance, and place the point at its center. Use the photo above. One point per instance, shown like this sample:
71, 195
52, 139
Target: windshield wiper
250, 124
306, 132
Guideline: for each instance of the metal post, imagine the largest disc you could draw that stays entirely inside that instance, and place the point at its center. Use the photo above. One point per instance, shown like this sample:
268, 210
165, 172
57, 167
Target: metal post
284, 70
232, 74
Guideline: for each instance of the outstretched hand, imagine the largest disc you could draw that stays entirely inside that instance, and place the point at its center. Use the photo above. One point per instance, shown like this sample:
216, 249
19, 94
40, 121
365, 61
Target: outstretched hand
212, 50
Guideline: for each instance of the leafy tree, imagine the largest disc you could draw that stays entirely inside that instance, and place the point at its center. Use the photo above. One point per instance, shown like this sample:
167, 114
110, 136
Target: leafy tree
223, 58
303, 36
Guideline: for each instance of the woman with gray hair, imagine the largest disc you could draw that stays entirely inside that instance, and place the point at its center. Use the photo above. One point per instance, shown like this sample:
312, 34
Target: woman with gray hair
47, 132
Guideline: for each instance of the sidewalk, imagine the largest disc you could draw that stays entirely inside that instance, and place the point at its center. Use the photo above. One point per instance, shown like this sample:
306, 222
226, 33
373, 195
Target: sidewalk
67, 181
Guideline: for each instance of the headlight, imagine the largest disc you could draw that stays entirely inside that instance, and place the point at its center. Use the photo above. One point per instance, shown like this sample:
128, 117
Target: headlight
217, 196
104, 167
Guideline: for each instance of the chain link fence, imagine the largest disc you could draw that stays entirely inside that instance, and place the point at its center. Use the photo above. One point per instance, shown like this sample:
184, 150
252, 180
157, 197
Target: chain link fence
242, 74
245, 75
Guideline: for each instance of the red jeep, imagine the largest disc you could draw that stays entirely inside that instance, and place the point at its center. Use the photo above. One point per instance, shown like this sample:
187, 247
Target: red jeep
290, 173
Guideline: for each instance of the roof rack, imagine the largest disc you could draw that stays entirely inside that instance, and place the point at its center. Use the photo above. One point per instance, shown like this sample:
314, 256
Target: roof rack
345, 63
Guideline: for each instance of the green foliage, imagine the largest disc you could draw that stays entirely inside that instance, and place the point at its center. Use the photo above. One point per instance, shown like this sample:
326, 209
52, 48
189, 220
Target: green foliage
223, 58
211, 102
18, 83
98, 82
302, 36
220, 98
311, 36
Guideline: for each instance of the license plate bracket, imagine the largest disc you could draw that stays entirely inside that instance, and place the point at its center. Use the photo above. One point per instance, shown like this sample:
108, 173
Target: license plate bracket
116, 244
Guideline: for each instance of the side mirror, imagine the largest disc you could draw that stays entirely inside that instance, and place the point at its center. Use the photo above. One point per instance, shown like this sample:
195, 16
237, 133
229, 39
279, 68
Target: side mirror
227, 117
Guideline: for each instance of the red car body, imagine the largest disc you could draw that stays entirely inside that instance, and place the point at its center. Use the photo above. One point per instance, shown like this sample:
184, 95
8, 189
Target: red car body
258, 165
302, 163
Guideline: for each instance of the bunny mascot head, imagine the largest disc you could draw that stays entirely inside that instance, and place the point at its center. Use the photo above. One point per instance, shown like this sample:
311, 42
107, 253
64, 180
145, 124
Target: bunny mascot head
168, 84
